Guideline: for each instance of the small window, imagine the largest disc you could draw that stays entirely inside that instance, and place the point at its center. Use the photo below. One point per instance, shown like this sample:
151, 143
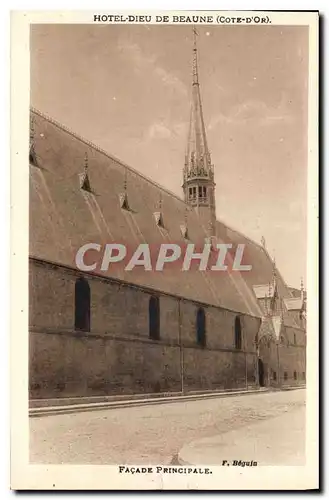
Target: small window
295, 375
204, 191
190, 192
237, 333
194, 192
274, 375
285, 375
295, 342
154, 318
200, 191
201, 327
82, 305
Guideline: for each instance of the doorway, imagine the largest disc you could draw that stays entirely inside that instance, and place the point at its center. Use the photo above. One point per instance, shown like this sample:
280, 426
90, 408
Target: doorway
261, 372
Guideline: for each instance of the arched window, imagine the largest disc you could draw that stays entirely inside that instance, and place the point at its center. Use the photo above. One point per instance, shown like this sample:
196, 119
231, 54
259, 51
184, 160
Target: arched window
154, 318
237, 333
201, 327
82, 305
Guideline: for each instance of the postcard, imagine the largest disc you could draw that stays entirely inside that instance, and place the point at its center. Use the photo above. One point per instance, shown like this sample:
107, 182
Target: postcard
164, 250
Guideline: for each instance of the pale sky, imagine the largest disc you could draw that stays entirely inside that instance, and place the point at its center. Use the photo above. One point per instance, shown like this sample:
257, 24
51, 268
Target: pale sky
128, 88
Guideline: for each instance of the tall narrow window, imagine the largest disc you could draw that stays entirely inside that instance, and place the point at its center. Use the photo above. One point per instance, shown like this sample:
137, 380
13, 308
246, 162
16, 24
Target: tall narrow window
82, 305
201, 327
237, 333
295, 339
154, 318
285, 376
295, 375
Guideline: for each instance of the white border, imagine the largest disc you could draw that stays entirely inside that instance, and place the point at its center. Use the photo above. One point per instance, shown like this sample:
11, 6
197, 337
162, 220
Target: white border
28, 476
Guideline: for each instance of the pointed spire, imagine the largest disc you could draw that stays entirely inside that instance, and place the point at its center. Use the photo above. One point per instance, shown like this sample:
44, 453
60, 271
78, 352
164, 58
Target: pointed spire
198, 172
198, 160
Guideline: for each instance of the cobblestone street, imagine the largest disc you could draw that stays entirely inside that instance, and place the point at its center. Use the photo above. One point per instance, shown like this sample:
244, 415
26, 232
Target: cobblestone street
155, 434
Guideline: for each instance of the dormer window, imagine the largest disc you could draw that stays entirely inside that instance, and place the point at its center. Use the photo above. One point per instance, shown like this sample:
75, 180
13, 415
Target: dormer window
158, 219
33, 157
85, 183
124, 201
184, 231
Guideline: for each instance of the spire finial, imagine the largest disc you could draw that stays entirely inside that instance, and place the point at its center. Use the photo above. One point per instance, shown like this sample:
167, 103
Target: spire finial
263, 241
84, 178
31, 129
125, 182
195, 57
86, 162
274, 275
302, 289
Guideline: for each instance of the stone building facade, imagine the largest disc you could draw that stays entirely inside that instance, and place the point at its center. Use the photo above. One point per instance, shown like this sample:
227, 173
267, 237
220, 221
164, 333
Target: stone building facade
135, 332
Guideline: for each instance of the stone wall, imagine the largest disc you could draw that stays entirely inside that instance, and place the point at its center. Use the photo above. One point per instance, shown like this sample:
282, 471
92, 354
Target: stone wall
117, 356
285, 361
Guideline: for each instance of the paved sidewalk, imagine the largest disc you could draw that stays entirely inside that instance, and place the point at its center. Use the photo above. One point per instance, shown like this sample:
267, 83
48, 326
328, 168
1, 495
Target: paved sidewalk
151, 434
276, 441
75, 405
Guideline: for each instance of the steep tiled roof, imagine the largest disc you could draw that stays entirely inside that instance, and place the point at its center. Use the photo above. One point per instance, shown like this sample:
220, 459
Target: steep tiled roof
63, 217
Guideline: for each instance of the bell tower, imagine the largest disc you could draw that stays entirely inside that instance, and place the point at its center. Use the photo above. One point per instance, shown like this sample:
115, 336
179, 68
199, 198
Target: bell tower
198, 174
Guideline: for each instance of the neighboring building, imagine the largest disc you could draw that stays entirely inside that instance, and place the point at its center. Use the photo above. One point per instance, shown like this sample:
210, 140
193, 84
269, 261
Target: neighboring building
125, 332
